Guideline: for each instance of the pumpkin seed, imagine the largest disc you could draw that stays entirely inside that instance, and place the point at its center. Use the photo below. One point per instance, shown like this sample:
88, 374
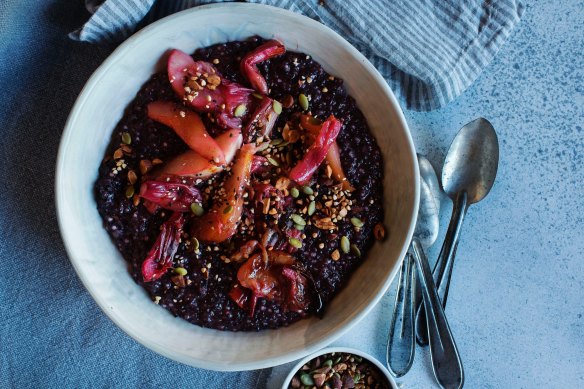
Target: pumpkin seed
311, 208
129, 191
295, 243
277, 107
299, 227
273, 161
307, 190
295, 192
297, 219
195, 243
126, 138
337, 360
303, 101
181, 271
355, 250
258, 96
240, 110
263, 146
345, 245
306, 379
357, 222
197, 209
228, 209
328, 363
276, 141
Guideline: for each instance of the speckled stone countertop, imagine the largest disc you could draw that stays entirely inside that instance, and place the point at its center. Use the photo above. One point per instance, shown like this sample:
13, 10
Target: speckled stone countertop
517, 295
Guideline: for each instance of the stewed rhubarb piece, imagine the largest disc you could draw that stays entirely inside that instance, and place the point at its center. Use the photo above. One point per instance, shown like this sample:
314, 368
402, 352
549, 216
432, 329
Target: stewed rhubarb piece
333, 157
192, 164
159, 258
262, 120
220, 223
317, 152
205, 89
189, 127
249, 69
275, 279
169, 195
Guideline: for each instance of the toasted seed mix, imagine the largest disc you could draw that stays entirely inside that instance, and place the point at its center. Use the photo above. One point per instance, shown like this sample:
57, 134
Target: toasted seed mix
347, 371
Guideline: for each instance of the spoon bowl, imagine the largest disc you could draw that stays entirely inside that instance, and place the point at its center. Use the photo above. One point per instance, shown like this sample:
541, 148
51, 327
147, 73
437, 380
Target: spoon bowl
472, 161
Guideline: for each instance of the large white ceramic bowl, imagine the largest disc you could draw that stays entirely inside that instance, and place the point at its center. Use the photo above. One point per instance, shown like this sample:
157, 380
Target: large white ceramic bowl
103, 270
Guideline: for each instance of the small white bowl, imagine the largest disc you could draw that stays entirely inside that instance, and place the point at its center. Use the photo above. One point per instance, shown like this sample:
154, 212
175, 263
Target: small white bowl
346, 350
102, 269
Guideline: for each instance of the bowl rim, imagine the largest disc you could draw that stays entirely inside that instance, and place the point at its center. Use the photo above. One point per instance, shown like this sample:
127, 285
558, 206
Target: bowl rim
60, 167
339, 349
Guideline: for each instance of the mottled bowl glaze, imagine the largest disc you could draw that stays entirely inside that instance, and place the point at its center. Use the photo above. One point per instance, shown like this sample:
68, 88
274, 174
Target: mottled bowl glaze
103, 270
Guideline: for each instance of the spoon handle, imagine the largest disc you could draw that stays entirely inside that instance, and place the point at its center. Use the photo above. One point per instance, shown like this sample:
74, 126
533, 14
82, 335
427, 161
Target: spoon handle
446, 362
443, 268
401, 344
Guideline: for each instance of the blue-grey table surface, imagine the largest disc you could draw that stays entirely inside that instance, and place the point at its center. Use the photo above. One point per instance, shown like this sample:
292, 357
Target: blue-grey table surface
517, 295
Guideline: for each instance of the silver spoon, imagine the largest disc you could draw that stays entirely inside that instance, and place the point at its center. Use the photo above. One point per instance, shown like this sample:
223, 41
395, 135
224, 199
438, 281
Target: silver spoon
468, 175
401, 344
446, 362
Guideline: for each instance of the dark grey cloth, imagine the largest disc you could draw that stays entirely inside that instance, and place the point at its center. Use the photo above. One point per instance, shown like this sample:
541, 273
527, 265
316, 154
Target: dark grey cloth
52, 334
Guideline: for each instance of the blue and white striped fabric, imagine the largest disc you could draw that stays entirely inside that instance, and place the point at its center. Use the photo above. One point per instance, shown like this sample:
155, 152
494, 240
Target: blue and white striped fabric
429, 51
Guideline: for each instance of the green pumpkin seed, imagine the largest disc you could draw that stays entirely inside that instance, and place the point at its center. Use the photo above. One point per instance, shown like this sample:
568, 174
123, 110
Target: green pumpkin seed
345, 245
357, 222
272, 161
195, 243
181, 271
295, 243
276, 142
303, 101
129, 191
277, 107
337, 360
228, 209
240, 110
295, 192
126, 138
306, 379
328, 363
357, 377
311, 208
307, 190
263, 146
355, 250
283, 144
197, 209
298, 219
299, 227
258, 96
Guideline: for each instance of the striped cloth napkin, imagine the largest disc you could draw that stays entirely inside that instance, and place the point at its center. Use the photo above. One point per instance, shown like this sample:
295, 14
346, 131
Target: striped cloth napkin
429, 51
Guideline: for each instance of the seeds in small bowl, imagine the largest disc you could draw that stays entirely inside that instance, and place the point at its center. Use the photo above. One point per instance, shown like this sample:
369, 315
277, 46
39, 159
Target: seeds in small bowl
338, 370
